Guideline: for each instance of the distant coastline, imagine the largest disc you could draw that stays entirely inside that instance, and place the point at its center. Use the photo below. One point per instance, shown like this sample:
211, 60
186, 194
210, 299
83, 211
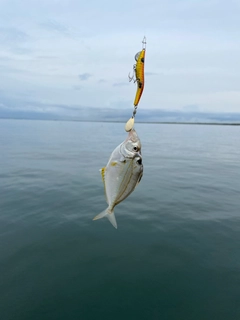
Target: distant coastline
91, 114
118, 121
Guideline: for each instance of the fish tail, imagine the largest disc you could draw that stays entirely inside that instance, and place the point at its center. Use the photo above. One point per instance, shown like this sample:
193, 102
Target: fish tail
108, 213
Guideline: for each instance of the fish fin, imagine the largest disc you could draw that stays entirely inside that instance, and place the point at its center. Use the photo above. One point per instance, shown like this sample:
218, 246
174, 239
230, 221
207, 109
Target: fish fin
103, 170
103, 174
139, 179
108, 214
123, 159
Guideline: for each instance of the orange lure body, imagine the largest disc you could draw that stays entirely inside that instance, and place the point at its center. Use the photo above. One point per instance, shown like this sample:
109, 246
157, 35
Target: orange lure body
138, 75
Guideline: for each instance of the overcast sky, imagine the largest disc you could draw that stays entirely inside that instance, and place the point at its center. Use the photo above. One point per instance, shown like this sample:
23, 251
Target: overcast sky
79, 53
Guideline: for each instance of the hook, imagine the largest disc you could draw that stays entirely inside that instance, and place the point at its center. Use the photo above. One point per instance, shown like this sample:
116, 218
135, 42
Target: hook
130, 78
134, 72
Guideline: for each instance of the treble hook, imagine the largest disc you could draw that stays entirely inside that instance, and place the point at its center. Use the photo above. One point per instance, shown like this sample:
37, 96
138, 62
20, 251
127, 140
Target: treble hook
130, 78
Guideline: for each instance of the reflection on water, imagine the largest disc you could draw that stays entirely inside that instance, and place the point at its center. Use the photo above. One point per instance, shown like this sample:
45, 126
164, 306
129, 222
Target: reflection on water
175, 254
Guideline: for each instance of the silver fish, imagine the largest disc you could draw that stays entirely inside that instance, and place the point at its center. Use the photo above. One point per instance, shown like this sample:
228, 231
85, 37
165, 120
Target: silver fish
121, 175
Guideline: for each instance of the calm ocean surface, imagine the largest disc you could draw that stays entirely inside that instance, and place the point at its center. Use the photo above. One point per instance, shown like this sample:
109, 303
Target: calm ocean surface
176, 252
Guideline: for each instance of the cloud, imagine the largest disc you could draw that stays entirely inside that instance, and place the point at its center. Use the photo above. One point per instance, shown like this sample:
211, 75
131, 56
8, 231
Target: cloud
44, 45
12, 35
191, 108
120, 84
84, 76
78, 88
102, 81
14, 40
54, 25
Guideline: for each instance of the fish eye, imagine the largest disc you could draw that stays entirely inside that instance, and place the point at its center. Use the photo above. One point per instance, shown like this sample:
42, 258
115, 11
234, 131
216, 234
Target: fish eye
135, 148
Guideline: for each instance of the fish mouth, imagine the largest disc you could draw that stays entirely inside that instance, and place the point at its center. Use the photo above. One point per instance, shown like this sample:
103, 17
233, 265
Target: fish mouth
139, 161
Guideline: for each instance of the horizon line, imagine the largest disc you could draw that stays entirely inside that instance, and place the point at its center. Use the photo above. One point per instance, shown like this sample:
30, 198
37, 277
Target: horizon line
119, 121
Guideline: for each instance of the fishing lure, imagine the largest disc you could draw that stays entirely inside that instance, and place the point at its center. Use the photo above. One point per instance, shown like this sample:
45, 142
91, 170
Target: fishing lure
138, 72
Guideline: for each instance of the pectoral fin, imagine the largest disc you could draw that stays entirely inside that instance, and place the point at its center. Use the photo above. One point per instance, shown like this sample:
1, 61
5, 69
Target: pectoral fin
103, 174
139, 179
103, 171
123, 159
